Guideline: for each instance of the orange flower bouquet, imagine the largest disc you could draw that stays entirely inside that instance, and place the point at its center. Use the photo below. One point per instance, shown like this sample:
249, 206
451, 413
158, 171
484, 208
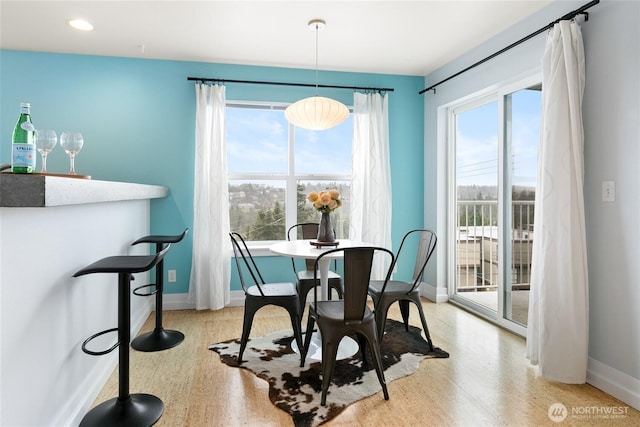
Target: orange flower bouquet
325, 201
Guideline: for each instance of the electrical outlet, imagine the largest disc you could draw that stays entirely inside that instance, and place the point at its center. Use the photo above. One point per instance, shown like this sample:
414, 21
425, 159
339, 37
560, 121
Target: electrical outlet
608, 191
172, 276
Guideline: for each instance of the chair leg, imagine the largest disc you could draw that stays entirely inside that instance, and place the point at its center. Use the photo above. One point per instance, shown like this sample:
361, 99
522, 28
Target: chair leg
249, 313
307, 340
362, 344
404, 310
297, 329
302, 296
381, 318
329, 354
374, 345
424, 324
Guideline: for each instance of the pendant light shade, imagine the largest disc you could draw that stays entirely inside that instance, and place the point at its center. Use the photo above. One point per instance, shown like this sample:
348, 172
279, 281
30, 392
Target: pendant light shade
316, 112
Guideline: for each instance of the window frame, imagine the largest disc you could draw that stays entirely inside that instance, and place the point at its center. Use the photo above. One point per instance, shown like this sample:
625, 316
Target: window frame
499, 93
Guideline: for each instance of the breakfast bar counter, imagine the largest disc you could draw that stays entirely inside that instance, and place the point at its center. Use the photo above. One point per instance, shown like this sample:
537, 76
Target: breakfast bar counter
51, 227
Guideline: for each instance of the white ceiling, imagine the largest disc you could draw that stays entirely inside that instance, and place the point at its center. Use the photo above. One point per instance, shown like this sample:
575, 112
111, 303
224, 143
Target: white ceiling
390, 37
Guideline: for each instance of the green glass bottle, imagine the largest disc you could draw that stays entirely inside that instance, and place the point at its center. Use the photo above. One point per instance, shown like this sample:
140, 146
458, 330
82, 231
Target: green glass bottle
23, 148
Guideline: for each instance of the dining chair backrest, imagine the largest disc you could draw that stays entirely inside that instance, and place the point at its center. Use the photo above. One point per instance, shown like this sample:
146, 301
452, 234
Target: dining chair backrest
304, 230
239, 250
357, 273
427, 240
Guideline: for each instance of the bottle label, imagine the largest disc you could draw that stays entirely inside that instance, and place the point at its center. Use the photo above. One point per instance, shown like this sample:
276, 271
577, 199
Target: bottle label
28, 126
24, 156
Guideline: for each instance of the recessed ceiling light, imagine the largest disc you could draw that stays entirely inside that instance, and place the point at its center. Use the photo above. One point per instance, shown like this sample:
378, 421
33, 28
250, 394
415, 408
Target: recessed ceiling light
80, 24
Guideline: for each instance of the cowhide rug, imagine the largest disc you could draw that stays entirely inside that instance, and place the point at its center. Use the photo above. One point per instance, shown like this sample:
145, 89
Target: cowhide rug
297, 390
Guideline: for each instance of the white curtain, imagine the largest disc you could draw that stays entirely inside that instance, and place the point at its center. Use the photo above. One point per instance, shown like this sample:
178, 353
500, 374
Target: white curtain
211, 264
370, 219
557, 329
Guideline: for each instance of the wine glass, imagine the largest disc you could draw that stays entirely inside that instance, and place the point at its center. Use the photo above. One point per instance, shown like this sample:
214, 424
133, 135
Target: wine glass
46, 140
72, 143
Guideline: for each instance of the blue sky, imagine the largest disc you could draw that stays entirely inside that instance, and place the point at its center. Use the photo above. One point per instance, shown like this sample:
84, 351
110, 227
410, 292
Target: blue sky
477, 141
257, 141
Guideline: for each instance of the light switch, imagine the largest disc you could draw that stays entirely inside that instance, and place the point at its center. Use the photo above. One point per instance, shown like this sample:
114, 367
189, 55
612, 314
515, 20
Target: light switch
172, 275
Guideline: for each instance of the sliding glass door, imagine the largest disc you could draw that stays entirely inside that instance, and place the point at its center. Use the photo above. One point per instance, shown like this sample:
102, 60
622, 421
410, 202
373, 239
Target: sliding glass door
522, 108
494, 144
477, 221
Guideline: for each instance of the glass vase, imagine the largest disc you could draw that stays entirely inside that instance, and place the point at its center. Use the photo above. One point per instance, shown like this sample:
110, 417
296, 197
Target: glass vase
325, 230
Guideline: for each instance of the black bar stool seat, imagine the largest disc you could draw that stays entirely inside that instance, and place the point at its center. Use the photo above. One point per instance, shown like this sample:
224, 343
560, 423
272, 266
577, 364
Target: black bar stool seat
130, 410
160, 338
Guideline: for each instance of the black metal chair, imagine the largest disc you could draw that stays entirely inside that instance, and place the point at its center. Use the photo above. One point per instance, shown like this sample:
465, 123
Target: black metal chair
127, 409
386, 292
350, 315
160, 338
304, 278
261, 294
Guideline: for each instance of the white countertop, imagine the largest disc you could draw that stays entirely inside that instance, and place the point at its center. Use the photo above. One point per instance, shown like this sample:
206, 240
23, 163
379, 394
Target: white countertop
34, 190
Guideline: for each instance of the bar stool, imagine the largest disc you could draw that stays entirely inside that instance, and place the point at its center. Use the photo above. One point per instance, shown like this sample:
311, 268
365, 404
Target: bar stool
158, 339
127, 409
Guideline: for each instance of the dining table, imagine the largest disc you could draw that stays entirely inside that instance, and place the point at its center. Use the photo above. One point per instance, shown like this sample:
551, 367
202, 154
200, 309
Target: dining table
308, 249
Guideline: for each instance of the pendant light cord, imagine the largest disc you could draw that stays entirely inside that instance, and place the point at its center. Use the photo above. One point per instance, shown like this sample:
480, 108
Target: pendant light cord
317, 30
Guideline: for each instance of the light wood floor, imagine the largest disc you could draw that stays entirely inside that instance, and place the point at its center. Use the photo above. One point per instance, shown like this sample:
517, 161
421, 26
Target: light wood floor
487, 381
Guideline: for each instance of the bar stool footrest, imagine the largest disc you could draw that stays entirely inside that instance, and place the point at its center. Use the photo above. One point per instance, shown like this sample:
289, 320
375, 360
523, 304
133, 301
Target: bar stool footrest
96, 335
157, 340
138, 410
136, 291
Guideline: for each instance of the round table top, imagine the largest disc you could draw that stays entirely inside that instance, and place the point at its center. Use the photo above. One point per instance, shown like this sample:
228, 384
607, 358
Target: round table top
304, 248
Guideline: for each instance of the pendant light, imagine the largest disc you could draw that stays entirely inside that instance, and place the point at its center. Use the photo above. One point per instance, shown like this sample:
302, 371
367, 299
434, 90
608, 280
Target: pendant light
316, 112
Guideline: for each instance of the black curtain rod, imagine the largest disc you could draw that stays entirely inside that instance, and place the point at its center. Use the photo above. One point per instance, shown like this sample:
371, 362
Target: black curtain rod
376, 89
570, 15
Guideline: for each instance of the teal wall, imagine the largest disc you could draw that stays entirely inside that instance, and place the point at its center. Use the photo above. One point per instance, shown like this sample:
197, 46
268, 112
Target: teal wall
138, 120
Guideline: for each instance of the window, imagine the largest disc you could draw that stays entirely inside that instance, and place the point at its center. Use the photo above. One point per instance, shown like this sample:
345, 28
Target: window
272, 166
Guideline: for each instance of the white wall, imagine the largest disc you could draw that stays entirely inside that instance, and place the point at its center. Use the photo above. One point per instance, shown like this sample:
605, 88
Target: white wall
612, 152
612, 140
46, 314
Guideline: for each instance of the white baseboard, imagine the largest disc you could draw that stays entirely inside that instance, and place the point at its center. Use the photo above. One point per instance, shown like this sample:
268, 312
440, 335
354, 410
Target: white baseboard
433, 293
175, 302
237, 299
618, 384
88, 391
181, 301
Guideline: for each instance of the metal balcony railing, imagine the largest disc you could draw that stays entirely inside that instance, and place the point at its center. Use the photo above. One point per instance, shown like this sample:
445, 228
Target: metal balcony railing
478, 245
